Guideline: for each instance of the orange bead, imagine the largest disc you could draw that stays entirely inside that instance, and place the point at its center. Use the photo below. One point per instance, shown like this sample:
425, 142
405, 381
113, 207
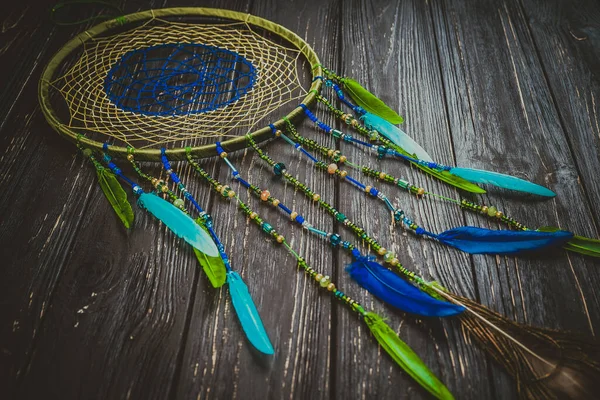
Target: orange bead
332, 168
264, 196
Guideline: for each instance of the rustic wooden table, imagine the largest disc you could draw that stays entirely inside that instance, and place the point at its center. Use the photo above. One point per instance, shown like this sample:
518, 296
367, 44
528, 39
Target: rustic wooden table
89, 310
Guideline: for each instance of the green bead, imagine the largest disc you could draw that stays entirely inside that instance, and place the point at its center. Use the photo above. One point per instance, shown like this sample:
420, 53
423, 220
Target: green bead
178, 203
87, 152
340, 217
492, 211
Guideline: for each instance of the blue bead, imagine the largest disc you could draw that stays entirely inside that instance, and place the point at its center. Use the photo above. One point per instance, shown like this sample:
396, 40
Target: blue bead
279, 168
335, 239
373, 192
420, 231
267, 228
398, 214
207, 219
300, 219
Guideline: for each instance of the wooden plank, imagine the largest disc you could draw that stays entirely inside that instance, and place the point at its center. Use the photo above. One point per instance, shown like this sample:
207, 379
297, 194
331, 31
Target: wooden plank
92, 311
391, 49
76, 242
566, 39
485, 48
296, 313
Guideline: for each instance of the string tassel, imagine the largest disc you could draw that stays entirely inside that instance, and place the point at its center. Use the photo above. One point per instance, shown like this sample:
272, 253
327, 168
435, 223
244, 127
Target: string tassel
546, 364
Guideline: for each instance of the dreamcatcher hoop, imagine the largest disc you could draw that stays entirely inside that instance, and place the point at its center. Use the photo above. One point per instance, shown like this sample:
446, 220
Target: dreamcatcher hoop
203, 151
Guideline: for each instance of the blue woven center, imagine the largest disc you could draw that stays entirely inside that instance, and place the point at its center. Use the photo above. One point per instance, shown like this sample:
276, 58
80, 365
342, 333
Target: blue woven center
178, 79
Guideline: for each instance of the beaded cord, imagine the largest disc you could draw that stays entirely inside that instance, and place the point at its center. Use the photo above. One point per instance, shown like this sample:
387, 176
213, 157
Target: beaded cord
137, 189
358, 231
398, 214
206, 218
337, 157
489, 211
333, 238
324, 281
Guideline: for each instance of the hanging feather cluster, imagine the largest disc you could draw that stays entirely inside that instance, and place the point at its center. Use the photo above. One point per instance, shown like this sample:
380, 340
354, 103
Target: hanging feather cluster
546, 364
397, 292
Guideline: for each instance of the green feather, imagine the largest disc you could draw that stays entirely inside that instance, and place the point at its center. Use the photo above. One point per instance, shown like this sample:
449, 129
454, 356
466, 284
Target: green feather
578, 244
213, 267
405, 357
370, 102
583, 245
115, 195
443, 175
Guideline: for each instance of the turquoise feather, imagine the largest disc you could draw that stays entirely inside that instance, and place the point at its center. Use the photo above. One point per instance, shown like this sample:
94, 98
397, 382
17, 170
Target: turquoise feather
247, 313
396, 135
501, 180
179, 222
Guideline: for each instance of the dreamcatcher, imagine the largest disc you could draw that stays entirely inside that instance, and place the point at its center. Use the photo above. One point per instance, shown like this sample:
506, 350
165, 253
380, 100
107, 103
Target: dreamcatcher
181, 83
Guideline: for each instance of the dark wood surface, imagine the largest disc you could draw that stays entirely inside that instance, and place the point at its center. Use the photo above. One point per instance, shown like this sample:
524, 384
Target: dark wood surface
89, 310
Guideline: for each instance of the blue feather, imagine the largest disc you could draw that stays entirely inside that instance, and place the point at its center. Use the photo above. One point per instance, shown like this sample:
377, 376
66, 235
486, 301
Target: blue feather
392, 289
247, 313
475, 240
501, 180
179, 222
395, 134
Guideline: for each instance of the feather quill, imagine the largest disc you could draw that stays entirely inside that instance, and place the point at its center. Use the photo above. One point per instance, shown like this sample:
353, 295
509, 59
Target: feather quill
247, 313
370, 102
396, 135
547, 364
213, 267
397, 292
115, 195
475, 240
179, 222
405, 357
501, 180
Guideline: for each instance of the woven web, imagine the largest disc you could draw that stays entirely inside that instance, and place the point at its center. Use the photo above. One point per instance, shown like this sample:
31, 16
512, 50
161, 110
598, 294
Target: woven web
169, 83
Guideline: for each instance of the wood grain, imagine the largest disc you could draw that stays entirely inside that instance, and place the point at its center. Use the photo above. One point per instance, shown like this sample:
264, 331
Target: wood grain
91, 310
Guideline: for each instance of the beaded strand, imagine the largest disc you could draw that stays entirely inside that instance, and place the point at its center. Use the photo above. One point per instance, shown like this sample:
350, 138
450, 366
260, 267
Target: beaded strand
358, 231
489, 211
398, 214
206, 217
323, 280
333, 238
